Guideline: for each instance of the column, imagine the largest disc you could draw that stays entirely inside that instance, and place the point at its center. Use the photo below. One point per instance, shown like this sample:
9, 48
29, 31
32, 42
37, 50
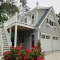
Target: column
10, 33
15, 38
38, 33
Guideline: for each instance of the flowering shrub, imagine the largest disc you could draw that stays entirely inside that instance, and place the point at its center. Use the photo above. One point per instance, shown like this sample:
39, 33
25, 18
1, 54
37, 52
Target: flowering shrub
20, 53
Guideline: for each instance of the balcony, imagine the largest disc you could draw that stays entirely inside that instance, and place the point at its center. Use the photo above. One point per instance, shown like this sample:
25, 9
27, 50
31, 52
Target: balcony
21, 21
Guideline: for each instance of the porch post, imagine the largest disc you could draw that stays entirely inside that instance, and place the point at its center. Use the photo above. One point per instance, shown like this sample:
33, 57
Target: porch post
15, 38
10, 33
38, 34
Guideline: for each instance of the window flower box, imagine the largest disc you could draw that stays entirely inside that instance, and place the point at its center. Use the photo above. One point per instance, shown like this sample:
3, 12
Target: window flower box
47, 23
55, 27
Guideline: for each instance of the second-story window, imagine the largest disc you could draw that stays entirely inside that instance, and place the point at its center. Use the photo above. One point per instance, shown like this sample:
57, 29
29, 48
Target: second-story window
32, 18
26, 20
51, 23
47, 20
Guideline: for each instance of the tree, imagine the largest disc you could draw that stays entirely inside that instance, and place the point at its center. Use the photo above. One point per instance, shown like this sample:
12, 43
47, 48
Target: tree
25, 7
7, 9
24, 2
58, 16
59, 21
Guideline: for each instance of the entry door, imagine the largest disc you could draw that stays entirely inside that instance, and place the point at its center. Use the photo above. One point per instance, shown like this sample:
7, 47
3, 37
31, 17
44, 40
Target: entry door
32, 40
22, 39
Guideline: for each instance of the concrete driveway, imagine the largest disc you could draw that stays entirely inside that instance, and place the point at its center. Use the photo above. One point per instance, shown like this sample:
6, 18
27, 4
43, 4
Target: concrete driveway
53, 55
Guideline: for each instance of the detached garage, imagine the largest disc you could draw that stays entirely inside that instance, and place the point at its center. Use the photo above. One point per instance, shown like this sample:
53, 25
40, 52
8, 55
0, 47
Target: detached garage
49, 43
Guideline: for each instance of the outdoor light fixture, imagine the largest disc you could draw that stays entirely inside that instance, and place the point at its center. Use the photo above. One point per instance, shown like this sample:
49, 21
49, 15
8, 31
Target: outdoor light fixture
29, 36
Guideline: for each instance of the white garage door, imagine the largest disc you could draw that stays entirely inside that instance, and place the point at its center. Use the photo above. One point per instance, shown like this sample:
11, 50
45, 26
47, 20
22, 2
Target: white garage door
50, 43
46, 43
56, 43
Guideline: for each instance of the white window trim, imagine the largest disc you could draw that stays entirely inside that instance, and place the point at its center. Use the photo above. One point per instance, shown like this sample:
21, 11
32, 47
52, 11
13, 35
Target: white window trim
45, 35
31, 18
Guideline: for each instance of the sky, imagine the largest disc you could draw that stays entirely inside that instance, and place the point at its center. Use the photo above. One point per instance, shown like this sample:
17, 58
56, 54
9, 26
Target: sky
46, 3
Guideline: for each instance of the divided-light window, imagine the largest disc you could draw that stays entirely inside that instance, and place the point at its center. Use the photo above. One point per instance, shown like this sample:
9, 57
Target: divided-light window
55, 38
47, 37
51, 23
43, 36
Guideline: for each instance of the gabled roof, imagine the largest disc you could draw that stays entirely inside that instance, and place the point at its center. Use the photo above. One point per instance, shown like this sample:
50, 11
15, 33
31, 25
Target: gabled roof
36, 8
42, 18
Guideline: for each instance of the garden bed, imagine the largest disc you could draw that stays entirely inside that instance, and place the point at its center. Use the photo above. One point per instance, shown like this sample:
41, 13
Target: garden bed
20, 53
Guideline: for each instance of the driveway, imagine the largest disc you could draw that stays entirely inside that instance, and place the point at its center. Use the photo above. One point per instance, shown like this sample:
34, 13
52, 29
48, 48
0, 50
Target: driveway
53, 55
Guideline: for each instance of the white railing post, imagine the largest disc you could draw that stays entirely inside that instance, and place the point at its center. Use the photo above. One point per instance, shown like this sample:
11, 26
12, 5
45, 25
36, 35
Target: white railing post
1, 46
1, 43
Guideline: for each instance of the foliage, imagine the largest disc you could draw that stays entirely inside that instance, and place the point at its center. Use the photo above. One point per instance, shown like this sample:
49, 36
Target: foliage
59, 21
20, 53
38, 43
24, 2
7, 9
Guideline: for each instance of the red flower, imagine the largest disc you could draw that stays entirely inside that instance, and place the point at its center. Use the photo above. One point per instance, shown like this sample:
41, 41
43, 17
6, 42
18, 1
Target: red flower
12, 47
7, 58
35, 47
32, 59
17, 48
20, 57
18, 53
39, 48
22, 47
8, 53
4, 53
25, 58
29, 51
39, 58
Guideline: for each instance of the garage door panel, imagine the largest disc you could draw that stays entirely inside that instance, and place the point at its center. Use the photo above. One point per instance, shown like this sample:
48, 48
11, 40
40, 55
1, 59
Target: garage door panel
56, 45
46, 44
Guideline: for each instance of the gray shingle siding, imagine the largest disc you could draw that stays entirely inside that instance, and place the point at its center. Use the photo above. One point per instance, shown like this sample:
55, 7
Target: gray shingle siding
42, 18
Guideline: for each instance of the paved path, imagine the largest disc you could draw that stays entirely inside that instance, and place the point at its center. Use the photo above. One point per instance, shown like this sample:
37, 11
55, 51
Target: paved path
50, 56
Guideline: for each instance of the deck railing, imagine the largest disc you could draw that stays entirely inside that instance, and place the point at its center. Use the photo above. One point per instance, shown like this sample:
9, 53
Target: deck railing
1, 43
21, 19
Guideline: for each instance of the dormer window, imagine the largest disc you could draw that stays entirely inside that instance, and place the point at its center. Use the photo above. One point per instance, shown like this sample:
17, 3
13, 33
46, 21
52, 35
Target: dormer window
32, 18
47, 20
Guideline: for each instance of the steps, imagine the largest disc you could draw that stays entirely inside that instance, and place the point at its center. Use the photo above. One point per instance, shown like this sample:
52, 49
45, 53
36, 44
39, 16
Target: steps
4, 41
